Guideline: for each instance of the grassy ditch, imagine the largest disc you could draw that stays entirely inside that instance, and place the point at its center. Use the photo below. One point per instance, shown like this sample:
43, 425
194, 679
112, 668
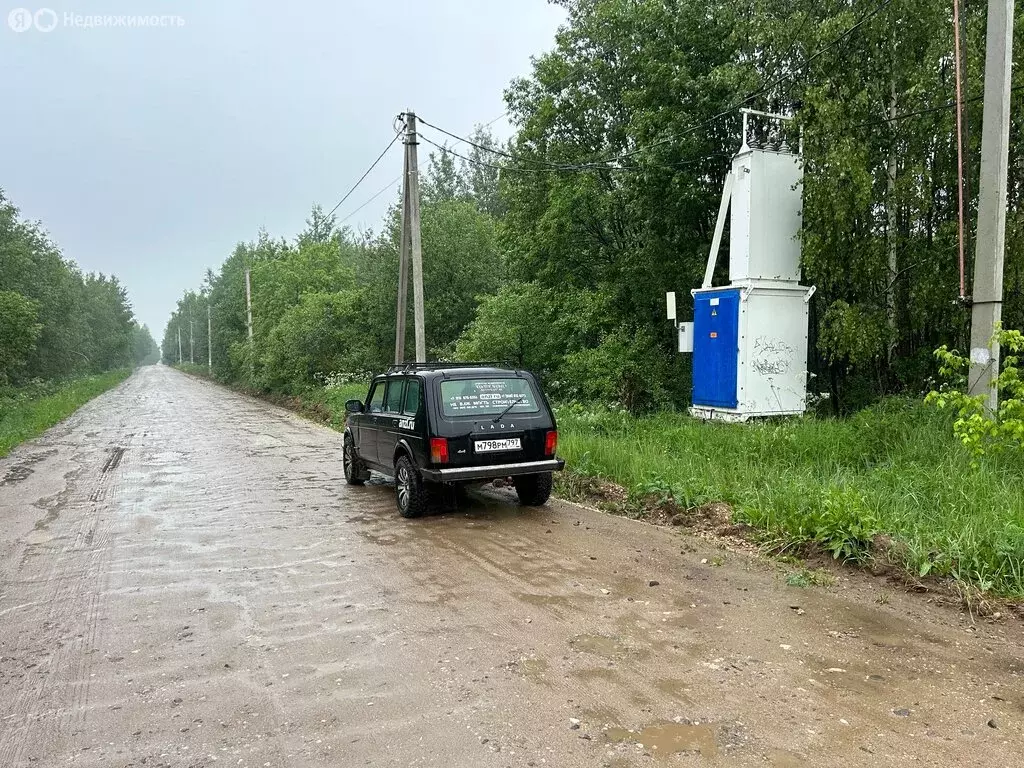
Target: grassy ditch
323, 404
889, 485
26, 412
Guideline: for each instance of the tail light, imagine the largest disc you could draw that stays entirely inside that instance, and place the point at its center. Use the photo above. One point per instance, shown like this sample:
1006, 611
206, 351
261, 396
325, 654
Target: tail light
550, 443
439, 450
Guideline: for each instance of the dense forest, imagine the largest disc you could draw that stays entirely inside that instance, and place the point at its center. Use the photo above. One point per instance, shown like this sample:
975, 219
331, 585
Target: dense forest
555, 250
55, 321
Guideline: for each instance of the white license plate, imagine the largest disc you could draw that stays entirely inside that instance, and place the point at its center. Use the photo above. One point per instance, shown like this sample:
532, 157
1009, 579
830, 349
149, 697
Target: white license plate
489, 446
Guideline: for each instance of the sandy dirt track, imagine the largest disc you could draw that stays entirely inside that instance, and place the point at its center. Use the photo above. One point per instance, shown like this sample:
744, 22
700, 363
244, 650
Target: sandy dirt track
185, 580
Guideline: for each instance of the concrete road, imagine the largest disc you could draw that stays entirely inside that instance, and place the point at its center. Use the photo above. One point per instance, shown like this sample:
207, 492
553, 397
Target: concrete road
185, 580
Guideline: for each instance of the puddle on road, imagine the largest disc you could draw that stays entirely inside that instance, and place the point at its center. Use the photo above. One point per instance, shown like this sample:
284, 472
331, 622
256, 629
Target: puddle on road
598, 674
665, 739
364, 518
781, 758
533, 669
23, 469
881, 628
383, 539
848, 675
51, 515
552, 601
675, 689
601, 645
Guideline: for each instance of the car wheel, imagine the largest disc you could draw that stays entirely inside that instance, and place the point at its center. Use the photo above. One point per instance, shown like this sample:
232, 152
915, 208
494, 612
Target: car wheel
533, 490
355, 472
412, 496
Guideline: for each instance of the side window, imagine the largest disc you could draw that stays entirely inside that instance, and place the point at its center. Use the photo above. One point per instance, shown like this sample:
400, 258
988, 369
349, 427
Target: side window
413, 396
376, 401
393, 401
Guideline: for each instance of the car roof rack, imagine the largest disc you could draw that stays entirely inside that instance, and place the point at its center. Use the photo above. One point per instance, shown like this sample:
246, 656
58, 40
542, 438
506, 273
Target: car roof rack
405, 367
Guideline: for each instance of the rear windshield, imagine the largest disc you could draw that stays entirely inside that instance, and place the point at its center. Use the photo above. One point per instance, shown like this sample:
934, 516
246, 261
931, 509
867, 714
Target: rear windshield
487, 397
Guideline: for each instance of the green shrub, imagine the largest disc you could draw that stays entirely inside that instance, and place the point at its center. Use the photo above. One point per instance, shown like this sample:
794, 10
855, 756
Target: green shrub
982, 432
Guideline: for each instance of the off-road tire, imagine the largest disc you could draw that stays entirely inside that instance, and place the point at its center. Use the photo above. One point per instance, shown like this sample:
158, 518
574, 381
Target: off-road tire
410, 492
355, 471
533, 490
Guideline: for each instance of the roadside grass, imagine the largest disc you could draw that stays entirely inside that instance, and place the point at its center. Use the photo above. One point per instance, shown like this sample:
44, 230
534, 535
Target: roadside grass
323, 404
194, 368
334, 398
29, 411
889, 484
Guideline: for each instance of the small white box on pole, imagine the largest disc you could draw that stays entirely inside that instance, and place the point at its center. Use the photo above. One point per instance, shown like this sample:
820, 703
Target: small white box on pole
686, 337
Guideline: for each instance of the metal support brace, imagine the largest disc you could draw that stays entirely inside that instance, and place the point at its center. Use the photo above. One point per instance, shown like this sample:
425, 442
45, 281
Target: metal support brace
723, 209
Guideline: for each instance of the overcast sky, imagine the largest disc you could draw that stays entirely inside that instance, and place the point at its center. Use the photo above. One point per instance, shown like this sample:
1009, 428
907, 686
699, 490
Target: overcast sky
149, 152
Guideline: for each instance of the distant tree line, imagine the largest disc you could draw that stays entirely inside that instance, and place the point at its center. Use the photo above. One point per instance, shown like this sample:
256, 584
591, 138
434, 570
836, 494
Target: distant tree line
608, 193
55, 321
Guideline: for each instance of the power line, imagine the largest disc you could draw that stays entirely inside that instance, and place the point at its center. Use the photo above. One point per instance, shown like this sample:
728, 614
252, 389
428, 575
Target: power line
926, 110
571, 168
481, 162
560, 83
398, 178
553, 167
367, 173
489, 123
377, 194
492, 150
544, 164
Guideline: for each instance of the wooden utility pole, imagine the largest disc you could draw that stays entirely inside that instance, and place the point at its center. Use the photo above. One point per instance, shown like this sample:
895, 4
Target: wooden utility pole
990, 245
209, 338
179, 345
403, 270
411, 243
248, 304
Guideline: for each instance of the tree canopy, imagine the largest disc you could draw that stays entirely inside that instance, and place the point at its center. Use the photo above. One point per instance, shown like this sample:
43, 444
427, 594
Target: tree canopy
56, 321
555, 250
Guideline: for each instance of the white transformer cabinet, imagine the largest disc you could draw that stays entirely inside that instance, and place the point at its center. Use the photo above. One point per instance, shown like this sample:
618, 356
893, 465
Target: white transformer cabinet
750, 337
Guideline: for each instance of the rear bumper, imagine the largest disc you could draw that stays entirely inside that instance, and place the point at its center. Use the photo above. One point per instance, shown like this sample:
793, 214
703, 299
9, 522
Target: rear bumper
453, 474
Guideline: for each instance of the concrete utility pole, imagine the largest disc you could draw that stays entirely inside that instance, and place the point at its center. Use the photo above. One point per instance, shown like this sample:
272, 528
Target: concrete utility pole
248, 304
209, 339
179, 345
191, 339
991, 243
411, 235
403, 271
